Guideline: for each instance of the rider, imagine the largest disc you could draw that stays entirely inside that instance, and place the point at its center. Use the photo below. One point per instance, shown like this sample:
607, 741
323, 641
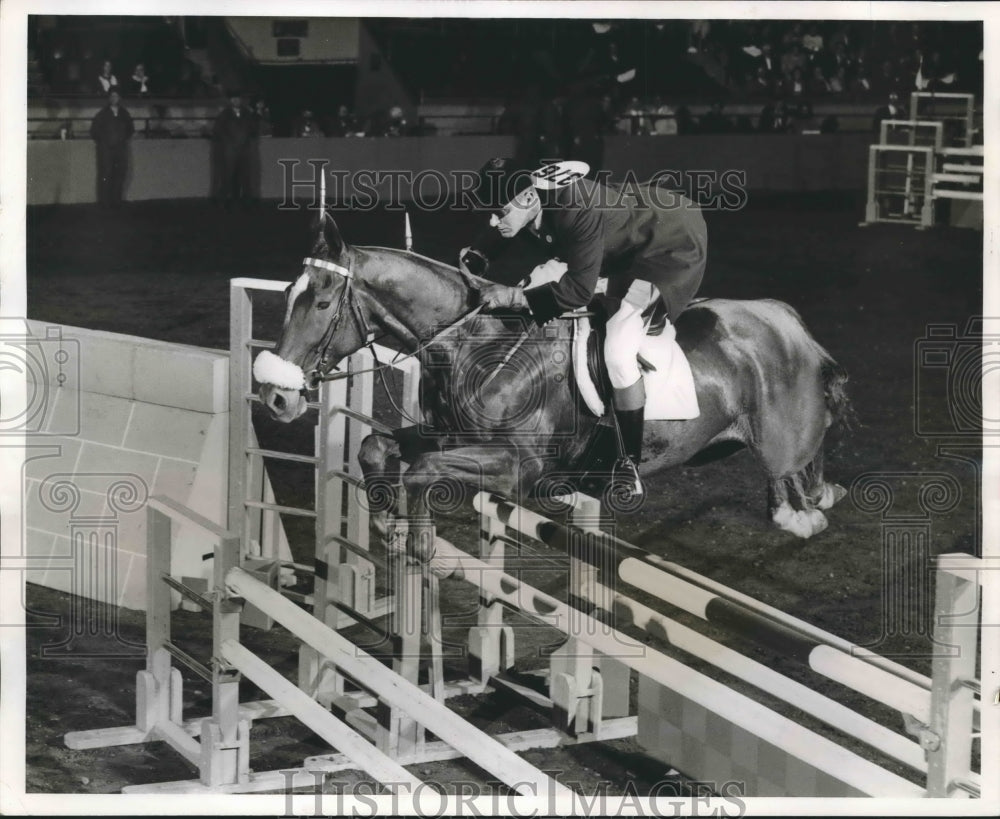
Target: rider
650, 243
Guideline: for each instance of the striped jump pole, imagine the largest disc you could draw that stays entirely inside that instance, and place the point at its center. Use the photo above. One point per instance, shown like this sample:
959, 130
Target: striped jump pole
835, 658
765, 723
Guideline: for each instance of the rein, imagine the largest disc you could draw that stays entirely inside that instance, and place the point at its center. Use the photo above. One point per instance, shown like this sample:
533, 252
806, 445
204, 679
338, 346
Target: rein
349, 298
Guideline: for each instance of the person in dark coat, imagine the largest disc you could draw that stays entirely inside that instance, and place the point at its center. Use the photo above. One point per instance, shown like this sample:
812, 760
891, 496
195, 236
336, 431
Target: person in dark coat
650, 243
235, 135
893, 110
111, 129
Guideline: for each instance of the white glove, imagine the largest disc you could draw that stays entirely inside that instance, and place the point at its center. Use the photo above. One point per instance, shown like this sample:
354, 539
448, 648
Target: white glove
551, 271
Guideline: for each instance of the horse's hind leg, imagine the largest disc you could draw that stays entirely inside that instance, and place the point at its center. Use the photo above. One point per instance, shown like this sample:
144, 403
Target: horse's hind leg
795, 501
792, 454
818, 492
804, 522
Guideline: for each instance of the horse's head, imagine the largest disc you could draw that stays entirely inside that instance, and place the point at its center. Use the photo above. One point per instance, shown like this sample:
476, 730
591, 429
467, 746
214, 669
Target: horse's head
323, 324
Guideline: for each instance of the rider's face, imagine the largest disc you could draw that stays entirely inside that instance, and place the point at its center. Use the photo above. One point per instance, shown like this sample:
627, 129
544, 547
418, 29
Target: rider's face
516, 213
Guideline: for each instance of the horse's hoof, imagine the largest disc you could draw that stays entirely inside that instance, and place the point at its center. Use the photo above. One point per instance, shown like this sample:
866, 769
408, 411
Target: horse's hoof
832, 492
803, 524
816, 520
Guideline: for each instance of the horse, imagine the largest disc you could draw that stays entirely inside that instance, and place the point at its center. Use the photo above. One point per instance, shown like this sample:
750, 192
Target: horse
500, 409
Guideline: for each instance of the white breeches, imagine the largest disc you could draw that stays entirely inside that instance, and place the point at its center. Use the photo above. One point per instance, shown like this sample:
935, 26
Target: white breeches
625, 333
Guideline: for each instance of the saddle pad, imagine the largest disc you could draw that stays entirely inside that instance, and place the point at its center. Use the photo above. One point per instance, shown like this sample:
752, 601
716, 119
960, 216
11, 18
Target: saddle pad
670, 392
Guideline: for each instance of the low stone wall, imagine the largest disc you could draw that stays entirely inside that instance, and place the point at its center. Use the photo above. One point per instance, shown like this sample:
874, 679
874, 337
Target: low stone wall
116, 419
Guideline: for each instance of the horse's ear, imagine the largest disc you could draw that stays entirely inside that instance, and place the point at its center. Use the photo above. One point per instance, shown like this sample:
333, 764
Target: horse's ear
328, 239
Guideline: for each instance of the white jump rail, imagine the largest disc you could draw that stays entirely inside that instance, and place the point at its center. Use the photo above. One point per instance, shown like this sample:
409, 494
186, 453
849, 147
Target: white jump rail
943, 706
766, 723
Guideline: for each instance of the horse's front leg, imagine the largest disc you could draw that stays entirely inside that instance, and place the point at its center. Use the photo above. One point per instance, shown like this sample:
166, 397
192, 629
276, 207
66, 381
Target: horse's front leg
381, 459
441, 482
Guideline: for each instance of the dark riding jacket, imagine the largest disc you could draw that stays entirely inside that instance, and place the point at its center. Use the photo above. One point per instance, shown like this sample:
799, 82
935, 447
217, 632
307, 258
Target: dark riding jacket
625, 233
235, 134
109, 131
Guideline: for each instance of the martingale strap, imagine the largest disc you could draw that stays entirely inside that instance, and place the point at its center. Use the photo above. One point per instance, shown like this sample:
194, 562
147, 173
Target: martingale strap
323, 263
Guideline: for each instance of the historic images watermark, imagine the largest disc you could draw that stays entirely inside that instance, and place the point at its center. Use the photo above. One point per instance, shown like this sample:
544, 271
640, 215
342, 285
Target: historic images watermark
464, 189
665, 798
951, 370
47, 363
73, 518
91, 506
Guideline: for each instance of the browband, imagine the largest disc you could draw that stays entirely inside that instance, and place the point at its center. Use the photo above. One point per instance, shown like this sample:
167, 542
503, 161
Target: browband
336, 268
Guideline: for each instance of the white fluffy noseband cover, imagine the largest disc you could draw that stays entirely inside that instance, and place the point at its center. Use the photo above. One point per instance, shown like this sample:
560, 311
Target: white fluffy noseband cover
270, 369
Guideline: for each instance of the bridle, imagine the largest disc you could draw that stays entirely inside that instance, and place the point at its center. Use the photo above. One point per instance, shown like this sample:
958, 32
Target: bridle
348, 301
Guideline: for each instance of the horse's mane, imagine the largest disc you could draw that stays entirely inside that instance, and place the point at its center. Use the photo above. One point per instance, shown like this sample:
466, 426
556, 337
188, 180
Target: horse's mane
427, 261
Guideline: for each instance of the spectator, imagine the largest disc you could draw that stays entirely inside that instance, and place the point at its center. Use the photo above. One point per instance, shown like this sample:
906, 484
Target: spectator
342, 123
111, 129
791, 60
397, 125
389, 123
637, 122
886, 79
841, 64
106, 80
685, 122
305, 125
792, 38
892, 110
262, 114
616, 72
767, 63
762, 83
745, 57
774, 119
699, 33
234, 135
803, 120
665, 121
765, 121
794, 84
139, 82
65, 130
812, 40
862, 76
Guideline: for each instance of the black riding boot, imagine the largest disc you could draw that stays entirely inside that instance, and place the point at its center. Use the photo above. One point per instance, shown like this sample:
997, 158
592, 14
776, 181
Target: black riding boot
630, 424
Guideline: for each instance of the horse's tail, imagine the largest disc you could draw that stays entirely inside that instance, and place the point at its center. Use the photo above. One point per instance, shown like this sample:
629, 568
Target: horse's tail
838, 404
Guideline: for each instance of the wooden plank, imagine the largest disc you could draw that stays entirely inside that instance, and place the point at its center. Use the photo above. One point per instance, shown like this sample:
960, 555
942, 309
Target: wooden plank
318, 719
956, 623
480, 748
273, 285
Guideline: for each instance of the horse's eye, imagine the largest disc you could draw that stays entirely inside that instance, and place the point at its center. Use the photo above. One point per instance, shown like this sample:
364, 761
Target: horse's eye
323, 305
